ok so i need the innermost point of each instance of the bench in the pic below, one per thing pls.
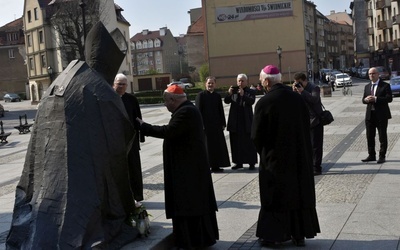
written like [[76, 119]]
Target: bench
[[3, 136], [23, 128]]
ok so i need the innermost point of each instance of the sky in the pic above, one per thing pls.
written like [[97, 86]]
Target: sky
[[155, 14]]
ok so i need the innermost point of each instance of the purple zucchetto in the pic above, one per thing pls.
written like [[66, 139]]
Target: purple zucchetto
[[271, 70]]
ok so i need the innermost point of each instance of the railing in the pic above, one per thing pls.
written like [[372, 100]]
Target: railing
[[380, 4], [370, 31], [382, 45], [386, 24]]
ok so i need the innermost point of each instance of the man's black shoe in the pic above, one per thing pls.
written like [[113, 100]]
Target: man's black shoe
[[317, 172], [381, 160], [252, 167], [237, 166], [217, 170], [369, 158]]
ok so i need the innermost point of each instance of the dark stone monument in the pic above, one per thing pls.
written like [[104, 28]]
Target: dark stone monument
[[74, 190]]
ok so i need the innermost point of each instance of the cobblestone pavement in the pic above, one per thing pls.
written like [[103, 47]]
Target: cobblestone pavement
[[344, 146]]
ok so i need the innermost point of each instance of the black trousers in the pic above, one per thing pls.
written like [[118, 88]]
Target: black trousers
[[317, 140], [371, 126]]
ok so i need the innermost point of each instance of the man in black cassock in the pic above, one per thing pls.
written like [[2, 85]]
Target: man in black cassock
[[189, 192], [241, 98], [74, 190], [281, 134], [133, 109], [209, 103]]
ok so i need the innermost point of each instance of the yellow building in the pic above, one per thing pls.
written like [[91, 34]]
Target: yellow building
[[244, 37]]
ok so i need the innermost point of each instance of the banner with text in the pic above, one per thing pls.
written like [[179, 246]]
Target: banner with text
[[254, 11]]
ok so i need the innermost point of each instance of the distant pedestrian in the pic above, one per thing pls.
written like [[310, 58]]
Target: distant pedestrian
[[189, 192], [377, 96], [209, 103], [241, 98], [281, 133], [133, 109]]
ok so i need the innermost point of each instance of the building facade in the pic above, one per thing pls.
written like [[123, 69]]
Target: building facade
[[384, 33], [13, 76], [360, 31], [46, 50], [243, 38], [156, 52]]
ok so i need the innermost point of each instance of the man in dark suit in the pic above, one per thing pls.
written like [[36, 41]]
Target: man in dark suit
[[133, 110], [377, 95]]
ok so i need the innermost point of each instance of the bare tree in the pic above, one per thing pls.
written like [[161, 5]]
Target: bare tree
[[67, 20]]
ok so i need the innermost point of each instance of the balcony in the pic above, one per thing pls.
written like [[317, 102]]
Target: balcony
[[370, 31], [380, 4], [389, 45], [385, 24], [382, 45], [371, 48], [369, 13], [397, 43]]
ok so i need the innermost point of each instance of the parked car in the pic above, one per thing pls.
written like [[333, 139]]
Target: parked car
[[395, 85], [181, 84], [187, 80], [364, 72], [383, 73], [1, 111], [333, 72], [11, 97], [343, 79]]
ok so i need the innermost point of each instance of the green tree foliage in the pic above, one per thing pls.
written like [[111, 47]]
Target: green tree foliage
[[204, 72]]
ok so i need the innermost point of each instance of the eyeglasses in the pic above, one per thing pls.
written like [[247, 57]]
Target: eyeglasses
[[373, 73]]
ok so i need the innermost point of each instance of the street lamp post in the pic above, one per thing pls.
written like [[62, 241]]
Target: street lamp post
[[279, 52], [83, 5], [50, 71], [311, 66]]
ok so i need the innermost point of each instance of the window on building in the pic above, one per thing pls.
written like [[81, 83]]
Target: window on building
[[144, 44], [150, 43], [157, 43], [31, 64], [29, 16], [11, 53], [29, 40], [158, 61], [43, 61], [133, 47], [35, 10], [159, 70], [12, 37], [41, 37], [138, 45], [150, 54]]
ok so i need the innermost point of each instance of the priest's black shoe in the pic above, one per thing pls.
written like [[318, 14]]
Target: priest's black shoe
[[381, 160], [299, 242], [369, 158], [317, 172], [217, 170], [237, 166]]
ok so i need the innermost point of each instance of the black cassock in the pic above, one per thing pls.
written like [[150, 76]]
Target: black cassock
[[189, 191], [212, 111], [281, 134], [74, 189], [239, 126], [135, 168]]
